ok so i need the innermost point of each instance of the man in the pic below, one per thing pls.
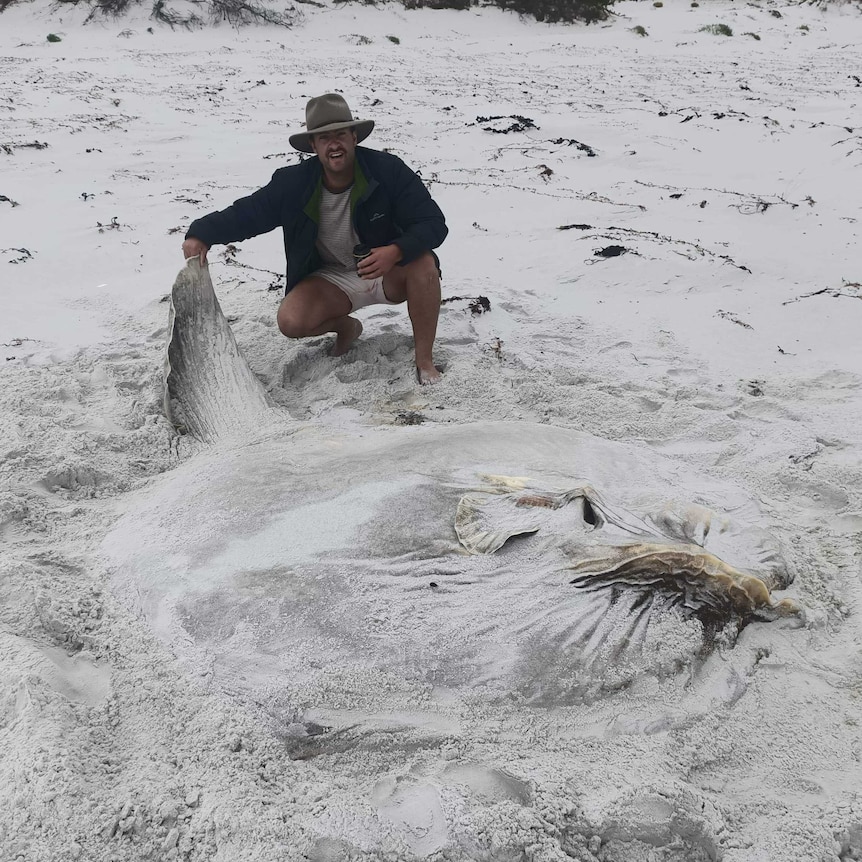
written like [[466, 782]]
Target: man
[[326, 206]]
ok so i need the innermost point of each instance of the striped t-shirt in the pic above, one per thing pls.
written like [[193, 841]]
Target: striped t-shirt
[[335, 236]]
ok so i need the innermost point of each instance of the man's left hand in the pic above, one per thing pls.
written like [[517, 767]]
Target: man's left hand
[[379, 262]]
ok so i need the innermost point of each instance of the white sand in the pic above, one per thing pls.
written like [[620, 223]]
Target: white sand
[[116, 745]]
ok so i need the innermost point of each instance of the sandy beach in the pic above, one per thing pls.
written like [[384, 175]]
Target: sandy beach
[[273, 647]]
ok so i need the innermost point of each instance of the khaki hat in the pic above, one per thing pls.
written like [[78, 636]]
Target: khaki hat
[[328, 113]]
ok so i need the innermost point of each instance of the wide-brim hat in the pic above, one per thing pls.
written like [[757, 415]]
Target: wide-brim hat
[[328, 113]]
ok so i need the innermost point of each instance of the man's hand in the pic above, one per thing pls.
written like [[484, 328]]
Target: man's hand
[[195, 248], [379, 262]]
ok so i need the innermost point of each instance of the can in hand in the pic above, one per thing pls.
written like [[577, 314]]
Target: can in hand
[[360, 252]]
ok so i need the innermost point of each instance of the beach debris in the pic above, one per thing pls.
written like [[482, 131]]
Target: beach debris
[[729, 315], [24, 255], [475, 304], [277, 280], [754, 387], [518, 124], [8, 200], [114, 224], [571, 142], [691, 250], [716, 29], [575, 227], [748, 203], [498, 180], [850, 289], [805, 460], [611, 251], [9, 149], [728, 259], [409, 417], [479, 305]]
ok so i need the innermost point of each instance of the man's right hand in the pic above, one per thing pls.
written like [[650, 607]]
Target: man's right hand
[[195, 248]]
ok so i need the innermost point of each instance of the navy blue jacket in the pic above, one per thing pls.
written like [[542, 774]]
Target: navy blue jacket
[[388, 202]]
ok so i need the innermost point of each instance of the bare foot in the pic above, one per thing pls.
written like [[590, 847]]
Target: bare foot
[[428, 375], [345, 338]]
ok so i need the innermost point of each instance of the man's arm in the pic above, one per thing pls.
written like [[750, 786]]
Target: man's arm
[[418, 216], [249, 216]]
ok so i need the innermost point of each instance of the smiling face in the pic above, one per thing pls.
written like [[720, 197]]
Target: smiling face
[[336, 151]]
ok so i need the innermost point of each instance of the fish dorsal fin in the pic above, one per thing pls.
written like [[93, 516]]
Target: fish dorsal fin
[[210, 391]]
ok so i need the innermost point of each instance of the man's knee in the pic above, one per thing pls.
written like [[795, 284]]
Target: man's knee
[[423, 267], [290, 323]]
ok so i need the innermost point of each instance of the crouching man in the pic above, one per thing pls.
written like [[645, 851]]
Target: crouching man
[[359, 228]]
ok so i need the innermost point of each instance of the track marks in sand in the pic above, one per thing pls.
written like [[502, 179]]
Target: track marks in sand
[[493, 369], [95, 429]]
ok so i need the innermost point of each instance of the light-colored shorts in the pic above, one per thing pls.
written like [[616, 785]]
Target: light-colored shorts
[[359, 291]]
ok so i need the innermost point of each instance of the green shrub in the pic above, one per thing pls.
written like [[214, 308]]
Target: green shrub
[[550, 11], [53, 37], [641, 31], [235, 12], [240, 12], [658, 4], [254, 11], [803, 27], [558, 11], [717, 29]]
